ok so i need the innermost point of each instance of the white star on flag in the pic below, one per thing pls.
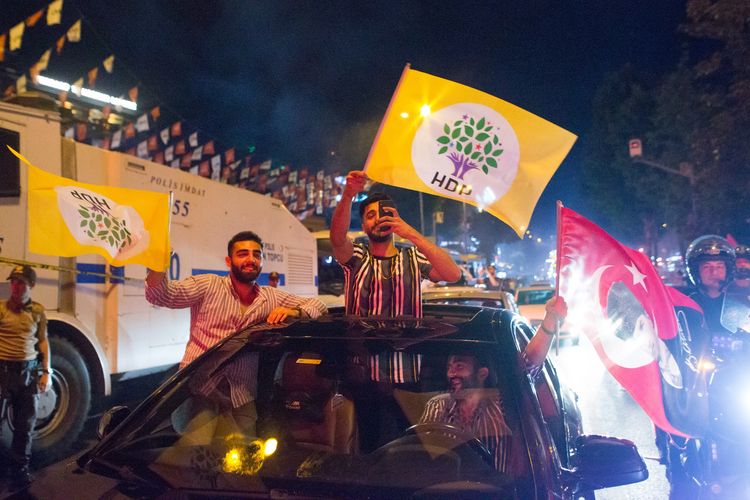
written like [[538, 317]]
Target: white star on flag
[[638, 277]]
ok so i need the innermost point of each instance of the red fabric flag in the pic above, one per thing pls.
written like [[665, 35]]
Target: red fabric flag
[[3, 36], [208, 148], [159, 157], [34, 72], [92, 76], [152, 144], [59, 44], [34, 18], [9, 90], [186, 159], [133, 94], [176, 130], [204, 169], [130, 151], [179, 148], [63, 96], [615, 296], [229, 156], [155, 113], [129, 130]]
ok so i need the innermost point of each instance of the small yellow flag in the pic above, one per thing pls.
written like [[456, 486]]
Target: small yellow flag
[[69, 218], [450, 140]]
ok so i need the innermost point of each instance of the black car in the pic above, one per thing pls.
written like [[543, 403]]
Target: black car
[[331, 408]]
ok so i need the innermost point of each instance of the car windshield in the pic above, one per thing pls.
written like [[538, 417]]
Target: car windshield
[[528, 297], [330, 413]]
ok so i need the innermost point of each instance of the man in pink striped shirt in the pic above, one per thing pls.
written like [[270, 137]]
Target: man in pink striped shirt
[[222, 305]]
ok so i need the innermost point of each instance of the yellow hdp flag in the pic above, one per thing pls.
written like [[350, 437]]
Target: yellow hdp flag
[[69, 218], [450, 140]]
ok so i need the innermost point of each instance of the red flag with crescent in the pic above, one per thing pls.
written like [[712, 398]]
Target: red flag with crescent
[[615, 296]]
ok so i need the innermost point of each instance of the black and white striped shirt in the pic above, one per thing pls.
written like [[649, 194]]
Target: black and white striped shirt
[[385, 286]]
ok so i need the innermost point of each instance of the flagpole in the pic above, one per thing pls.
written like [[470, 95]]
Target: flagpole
[[559, 252], [385, 116], [169, 232]]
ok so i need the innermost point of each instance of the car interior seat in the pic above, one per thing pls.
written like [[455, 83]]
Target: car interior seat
[[315, 414]]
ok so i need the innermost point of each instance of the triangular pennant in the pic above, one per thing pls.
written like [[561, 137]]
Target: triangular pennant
[[92, 76], [130, 151], [59, 44], [204, 169], [106, 142], [193, 139], [159, 157], [152, 143], [164, 135], [116, 139], [142, 149], [106, 110], [175, 163], [81, 131], [77, 86], [180, 148], [16, 36], [229, 156], [129, 131], [34, 18], [70, 133], [21, 85], [185, 161], [155, 113], [34, 72], [74, 33], [208, 148], [176, 129], [142, 124], [169, 153], [3, 36], [198, 153], [63, 96], [109, 64], [133, 94], [44, 60], [54, 12]]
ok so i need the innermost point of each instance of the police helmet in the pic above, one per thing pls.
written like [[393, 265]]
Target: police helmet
[[705, 248], [742, 252]]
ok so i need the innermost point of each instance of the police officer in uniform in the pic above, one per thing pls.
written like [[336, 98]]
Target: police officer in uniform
[[24, 366]]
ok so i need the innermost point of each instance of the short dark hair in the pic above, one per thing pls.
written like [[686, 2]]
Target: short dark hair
[[372, 198], [243, 236]]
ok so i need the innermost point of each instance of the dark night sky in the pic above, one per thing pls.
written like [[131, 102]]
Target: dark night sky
[[300, 79]]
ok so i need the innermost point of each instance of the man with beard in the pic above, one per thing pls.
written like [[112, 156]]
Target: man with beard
[[222, 305], [380, 279], [473, 404]]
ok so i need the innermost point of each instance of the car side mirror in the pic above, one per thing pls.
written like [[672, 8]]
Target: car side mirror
[[111, 419], [603, 462]]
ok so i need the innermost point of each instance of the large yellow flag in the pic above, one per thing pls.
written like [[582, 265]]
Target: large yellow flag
[[68, 218], [450, 140]]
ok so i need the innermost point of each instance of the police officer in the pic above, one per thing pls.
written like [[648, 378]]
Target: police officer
[[710, 263], [24, 366], [741, 283]]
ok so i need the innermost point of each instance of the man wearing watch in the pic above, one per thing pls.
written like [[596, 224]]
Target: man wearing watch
[[24, 366]]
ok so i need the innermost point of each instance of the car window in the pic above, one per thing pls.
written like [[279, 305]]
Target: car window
[[527, 297], [338, 413]]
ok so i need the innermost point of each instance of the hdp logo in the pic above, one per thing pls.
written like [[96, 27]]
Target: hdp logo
[[467, 150]]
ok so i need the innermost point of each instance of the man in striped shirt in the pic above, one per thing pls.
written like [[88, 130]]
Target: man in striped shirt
[[222, 305], [477, 409], [381, 279]]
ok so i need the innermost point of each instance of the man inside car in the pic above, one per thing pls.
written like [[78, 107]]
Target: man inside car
[[473, 405]]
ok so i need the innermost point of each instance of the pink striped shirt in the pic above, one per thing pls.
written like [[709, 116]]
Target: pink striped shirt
[[216, 311]]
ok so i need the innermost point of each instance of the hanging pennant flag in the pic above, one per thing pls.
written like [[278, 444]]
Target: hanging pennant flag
[[130, 151], [185, 162], [106, 142], [44, 60], [141, 125], [21, 85], [125, 226], [34, 18], [59, 44], [92, 77], [176, 129], [116, 139], [142, 150], [129, 131], [159, 157], [193, 170], [16, 36], [164, 136], [216, 162], [9, 90], [179, 148], [63, 96], [204, 169], [197, 153], [54, 12], [155, 113], [193, 140], [229, 156], [133, 94], [453, 141], [208, 148], [70, 133], [81, 131], [109, 64], [169, 153], [34, 72], [74, 33], [152, 144], [175, 163], [616, 297], [77, 86], [3, 36], [106, 111]]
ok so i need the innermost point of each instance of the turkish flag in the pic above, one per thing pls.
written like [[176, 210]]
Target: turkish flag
[[616, 297]]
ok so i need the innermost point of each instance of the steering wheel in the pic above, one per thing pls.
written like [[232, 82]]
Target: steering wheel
[[456, 434]]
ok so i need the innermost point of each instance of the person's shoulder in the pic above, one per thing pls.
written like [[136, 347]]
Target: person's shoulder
[[439, 399], [36, 307]]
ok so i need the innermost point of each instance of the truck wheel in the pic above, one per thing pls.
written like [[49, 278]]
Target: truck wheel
[[62, 411]]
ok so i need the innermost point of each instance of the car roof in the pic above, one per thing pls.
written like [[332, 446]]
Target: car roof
[[461, 291]]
